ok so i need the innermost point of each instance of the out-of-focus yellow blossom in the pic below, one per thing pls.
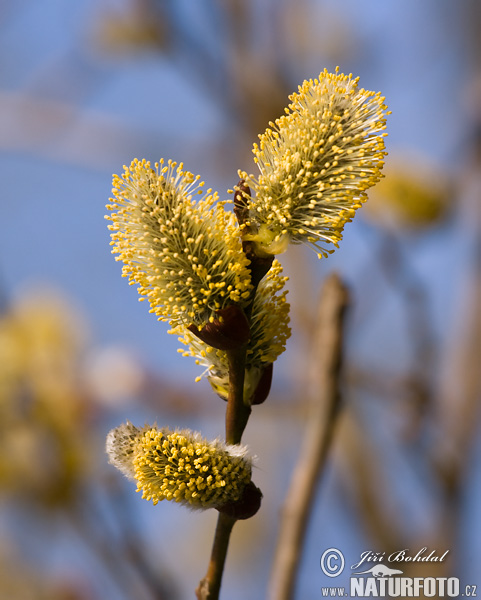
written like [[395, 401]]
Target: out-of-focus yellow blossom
[[269, 333], [413, 195], [42, 408], [180, 465], [185, 256], [316, 163]]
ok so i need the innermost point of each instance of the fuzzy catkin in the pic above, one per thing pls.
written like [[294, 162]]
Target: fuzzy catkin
[[316, 163], [185, 256], [180, 465]]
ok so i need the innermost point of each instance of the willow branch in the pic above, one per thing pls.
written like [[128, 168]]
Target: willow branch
[[324, 403], [236, 417], [237, 412], [209, 587]]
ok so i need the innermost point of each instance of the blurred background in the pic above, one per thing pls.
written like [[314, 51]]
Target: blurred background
[[87, 86]]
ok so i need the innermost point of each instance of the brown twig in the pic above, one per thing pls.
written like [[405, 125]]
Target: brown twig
[[209, 587], [237, 412], [324, 404], [236, 417], [370, 494]]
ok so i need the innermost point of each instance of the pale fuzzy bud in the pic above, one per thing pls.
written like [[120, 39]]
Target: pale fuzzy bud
[[120, 448]]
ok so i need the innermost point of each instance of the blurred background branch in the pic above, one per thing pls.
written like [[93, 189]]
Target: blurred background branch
[[324, 393]]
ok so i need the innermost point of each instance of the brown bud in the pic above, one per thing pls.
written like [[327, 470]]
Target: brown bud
[[247, 505], [231, 330], [263, 387]]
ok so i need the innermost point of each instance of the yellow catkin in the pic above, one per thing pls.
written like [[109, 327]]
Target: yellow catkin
[[316, 163], [269, 334], [180, 465], [414, 195], [185, 256]]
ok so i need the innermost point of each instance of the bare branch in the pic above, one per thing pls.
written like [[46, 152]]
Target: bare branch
[[324, 406]]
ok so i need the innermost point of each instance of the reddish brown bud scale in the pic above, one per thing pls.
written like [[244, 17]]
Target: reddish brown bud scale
[[247, 505], [263, 387], [230, 331]]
